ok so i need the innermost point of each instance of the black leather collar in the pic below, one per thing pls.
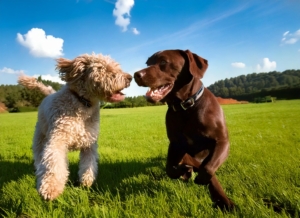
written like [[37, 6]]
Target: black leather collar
[[188, 103], [84, 101]]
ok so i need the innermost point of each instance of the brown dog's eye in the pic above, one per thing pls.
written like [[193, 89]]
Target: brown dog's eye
[[163, 62]]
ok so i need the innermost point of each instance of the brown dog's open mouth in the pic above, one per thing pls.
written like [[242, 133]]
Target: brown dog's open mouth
[[157, 93]]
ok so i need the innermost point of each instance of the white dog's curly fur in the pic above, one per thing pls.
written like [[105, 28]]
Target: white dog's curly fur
[[69, 119]]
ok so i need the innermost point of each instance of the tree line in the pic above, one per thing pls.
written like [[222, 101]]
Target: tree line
[[255, 82], [282, 85]]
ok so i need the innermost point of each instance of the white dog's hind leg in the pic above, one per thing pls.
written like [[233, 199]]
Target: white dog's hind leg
[[52, 173], [88, 165]]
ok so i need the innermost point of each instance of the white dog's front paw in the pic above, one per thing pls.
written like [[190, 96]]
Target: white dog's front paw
[[50, 191], [87, 179]]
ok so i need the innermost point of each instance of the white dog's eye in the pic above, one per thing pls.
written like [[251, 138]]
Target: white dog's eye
[[163, 62]]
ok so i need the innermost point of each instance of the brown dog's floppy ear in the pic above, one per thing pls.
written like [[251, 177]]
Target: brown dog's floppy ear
[[69, 70], [197, 64]]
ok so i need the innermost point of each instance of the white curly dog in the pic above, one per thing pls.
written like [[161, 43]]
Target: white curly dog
[[69, 119]]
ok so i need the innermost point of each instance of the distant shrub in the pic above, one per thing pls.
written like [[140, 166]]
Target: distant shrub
[[13, 110], [27, 109], [265, 99]]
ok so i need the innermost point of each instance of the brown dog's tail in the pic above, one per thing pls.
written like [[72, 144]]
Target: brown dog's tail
[[32, 83]]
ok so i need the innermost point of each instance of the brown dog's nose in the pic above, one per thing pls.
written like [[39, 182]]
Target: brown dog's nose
[[139, 75]]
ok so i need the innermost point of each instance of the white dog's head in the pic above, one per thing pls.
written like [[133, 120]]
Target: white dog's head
[[94, 76]]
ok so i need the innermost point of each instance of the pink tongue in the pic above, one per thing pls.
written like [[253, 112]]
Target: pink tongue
[[148, 93], [117, 97]]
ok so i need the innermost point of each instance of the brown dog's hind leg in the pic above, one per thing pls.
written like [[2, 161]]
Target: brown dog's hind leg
[[216, 191], [218, 195]]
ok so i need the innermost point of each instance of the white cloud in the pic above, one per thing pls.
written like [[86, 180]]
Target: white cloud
[[122, 13], [290, 38], [287, 32], [135, 31], [50, 77], [40, 44], [238, 64], [290, 41], [266, 65], [10, 71]]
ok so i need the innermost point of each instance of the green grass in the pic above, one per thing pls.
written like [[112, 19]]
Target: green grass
[[261, 174]]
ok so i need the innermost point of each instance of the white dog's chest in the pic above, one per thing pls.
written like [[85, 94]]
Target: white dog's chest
[[84, 135], [75, 132]]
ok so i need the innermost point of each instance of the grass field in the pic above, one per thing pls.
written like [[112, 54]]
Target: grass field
[[261, 175]]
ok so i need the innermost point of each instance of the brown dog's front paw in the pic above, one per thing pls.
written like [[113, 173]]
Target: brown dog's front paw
[[186, 172], [203, 177], [175, 172]]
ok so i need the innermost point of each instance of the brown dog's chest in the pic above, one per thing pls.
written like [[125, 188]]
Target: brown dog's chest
[[197, 143], [189, 131]]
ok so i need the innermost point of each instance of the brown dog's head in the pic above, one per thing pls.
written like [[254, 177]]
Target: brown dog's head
[[94, 76], [169, 71]]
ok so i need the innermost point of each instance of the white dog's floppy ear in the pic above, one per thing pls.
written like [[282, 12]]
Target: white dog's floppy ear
[[197, 64], [70, 70]]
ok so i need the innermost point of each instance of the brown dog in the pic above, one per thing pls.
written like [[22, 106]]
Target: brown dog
[[195, 121]]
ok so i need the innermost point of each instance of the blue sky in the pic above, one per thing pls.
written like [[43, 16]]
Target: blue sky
[[237, 37]]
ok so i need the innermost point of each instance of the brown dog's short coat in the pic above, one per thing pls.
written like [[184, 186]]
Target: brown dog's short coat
[[195, 121]]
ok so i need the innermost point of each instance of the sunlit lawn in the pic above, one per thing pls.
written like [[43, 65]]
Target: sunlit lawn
[[261, 175]]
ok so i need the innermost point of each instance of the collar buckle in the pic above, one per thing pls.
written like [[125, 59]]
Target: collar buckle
[[187, 104], [190, 102]]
